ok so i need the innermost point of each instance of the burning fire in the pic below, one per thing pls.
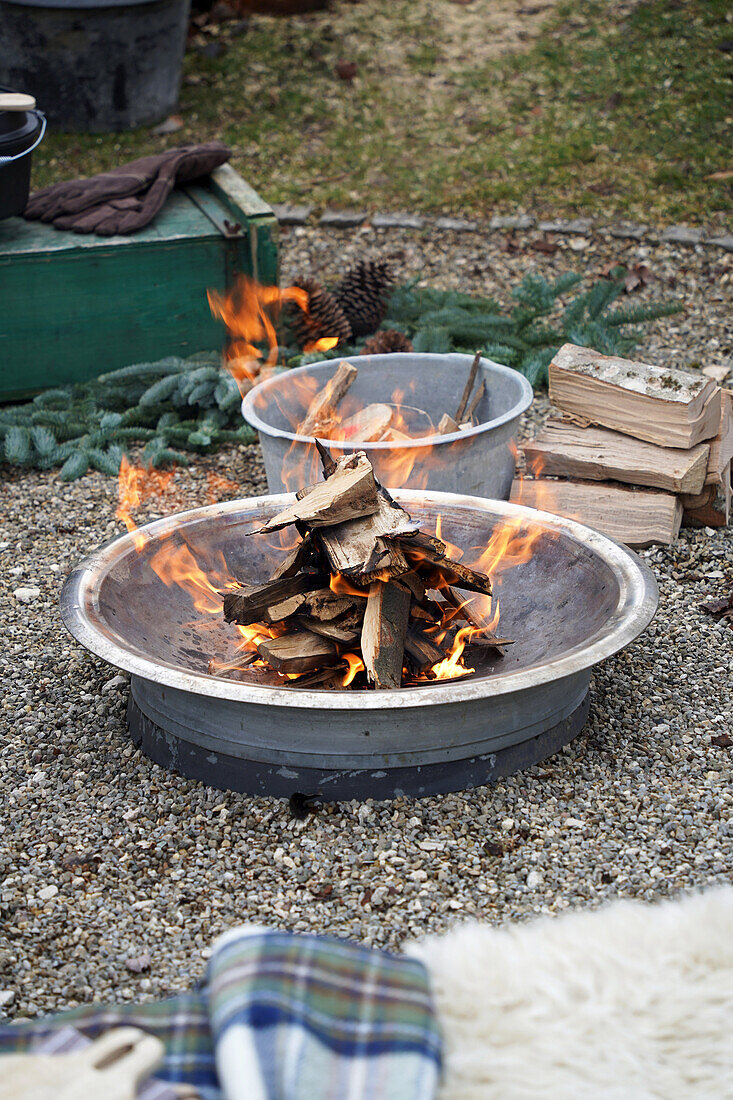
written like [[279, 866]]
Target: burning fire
[[250, 311]]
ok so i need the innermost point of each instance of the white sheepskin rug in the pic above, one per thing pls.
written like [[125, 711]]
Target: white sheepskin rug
[[628, 1002]]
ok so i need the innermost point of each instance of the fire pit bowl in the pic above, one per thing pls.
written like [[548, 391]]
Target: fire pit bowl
[[477, 461], [580, 598]]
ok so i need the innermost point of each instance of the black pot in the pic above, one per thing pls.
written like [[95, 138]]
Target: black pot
[[96, 64], [20, 133]]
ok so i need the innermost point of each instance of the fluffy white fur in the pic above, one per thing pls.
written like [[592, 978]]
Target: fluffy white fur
[[628, 1002]]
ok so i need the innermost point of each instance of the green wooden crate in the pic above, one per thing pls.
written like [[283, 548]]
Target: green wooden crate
[[74, 306]]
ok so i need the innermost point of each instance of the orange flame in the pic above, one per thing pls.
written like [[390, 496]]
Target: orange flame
[[135, 485]]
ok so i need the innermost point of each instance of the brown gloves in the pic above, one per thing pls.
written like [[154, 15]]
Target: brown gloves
[[127, 198]]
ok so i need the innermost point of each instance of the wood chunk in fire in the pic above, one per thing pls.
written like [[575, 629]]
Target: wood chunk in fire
[[484, 635], [366, 425], [297, 652], [323, 406], [296, 559], [349, 547], [383, 633], [251, 603], [443, 570], [447, 425], [350, 493], [345, 630], [422, 651], [324, 604]]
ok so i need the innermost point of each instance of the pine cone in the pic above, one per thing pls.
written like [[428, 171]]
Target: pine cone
[[323, 317], [362, 294], [387, 342]]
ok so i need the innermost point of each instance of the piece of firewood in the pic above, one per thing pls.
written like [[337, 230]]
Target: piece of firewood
[[441, 570], [349, 546], [344, 630], [250, 603], [721, 446], [387, 560], [393, 435], [598, 454], [636, 517], [326, 401], [422, 651], [323, 678], [712, 507], [297, 652], [463, 404], [324, 604], [295, 559], [364, 426], [285, 609], [475, 403], [484, 635], [383, 633], [447, 425], [659, 404], [349, 493]]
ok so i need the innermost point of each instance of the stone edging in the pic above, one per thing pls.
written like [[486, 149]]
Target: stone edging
[[288, 214]]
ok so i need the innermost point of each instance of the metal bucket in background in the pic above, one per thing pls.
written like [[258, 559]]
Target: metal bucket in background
[[478, 461]]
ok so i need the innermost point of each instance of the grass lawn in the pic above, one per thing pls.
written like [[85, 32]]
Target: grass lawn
[[594, 107]]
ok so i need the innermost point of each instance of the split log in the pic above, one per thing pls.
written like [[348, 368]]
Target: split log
[[422, 651], [296, 559], [597, 454], [323, 406], [297, 652], [393, 435], [712, 507], [484, 635], [439, 570], [474, 404], [349, 493], [447, 425], [383, 633], [251, 603], [345, 630], [364, 426], [349, 547], [636, 517], [324, 604], [463, 404], [721, 447], [661, 405]]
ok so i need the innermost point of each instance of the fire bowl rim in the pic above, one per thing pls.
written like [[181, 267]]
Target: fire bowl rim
[[637, 604], [250, 414]]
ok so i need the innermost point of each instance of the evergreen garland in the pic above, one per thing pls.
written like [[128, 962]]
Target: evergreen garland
[[172, 406], [178, 405]]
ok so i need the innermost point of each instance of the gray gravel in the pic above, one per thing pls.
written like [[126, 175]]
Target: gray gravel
[[106, 858]]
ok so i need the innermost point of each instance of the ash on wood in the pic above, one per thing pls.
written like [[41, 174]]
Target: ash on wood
[[352, 599]]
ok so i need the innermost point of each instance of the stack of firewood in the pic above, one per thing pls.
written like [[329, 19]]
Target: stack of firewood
[[637, 449], [363, 589]]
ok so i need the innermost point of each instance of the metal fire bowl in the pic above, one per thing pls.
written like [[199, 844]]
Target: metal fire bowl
[[581, 598]]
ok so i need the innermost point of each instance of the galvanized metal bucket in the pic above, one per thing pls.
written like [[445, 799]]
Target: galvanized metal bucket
[[478, 461]]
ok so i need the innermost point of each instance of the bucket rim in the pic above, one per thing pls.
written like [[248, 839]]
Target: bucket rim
[[523, 402]]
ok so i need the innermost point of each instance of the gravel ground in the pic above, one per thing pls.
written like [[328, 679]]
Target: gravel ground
[[106, 859]]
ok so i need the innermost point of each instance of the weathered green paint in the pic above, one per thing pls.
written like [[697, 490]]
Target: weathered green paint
[[73, 306]]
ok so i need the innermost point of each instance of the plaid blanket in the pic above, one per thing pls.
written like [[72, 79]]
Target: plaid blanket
[[283, 1017], [319, 1019]]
